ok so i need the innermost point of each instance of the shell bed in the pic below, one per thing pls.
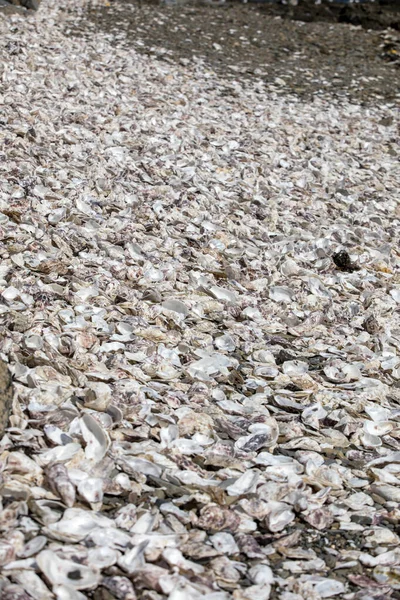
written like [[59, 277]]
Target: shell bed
[[199, 285]]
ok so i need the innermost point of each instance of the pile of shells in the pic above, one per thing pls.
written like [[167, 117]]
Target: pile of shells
[[199, 286]]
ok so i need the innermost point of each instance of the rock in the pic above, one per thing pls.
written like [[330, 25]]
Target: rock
[[30, 4], [343, 261], [8, 9]]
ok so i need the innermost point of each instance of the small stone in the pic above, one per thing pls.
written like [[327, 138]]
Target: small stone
[[343, 261]]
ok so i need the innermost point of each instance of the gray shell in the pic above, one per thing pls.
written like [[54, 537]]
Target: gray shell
[[6, 396]]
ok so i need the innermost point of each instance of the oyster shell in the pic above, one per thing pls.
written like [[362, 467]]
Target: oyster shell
[[65, 572]]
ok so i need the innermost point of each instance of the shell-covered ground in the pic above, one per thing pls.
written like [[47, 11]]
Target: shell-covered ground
[[265, 42], [200, 291]]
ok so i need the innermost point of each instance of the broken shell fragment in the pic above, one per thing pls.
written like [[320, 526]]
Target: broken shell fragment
[[95, 437]]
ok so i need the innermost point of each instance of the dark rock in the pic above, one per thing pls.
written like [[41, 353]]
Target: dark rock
[[343, 261], [30, 4]]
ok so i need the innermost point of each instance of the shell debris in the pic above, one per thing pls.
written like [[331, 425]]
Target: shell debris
[[202, 330]]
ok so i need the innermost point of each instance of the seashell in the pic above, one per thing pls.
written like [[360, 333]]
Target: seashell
[[102, 558], [279, 516], [294, 367], [261, 592], [215, 518], [327, 588], [224, 543], [176, 306], [64, 592], [395, 293], [386, 559], [76, 524], [266, 437], [174, 557], [391, 457], [97, 441], [209, 366], [225, 570], [59, 454], [56, 215], [327, 477], [225, 343], [187, 447], [342, 373], [371, 325], [370, 441], [47, 511], [98, 395], [120, 587], [133, 465], [377, 428], [7, 553], [133, 559], [288, 403], [267, 371], [91, 489], [66, 572], [56, 435], [249, 546], [19, 463], [60, 483], [309, 325], [220, 293], [261, 574], [87, 292], [14, 592], [336, 438], [387, 576], [317, 288], [319, 518], [144, 524], [32, 584], [250, 312], [377, 413], [389, 362], [379, 536], [152, 295], [245, 484], [32, 547], [281, 294], [33, 342], [290, 267], [389, 492], [313, 414], [189, 478], [263, 356], [110, 537]]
